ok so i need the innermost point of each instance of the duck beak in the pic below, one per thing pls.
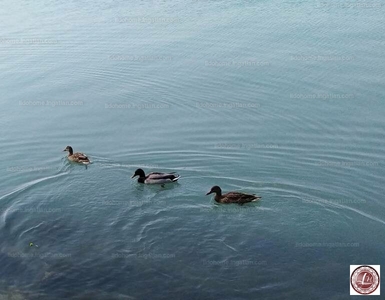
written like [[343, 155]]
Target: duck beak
[[133, 176], [208, 193], [64, 150]]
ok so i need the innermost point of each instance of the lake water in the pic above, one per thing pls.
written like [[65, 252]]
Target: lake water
[[281, 99]]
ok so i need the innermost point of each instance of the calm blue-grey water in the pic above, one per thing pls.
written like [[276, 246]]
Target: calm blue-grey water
[[281, 99]]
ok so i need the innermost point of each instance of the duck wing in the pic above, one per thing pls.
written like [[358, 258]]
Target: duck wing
[[158, 175], [161, 178], [240, 198], [80, 156]]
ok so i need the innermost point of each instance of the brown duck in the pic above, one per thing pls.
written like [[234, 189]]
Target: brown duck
[[232, 197], [78, 157]]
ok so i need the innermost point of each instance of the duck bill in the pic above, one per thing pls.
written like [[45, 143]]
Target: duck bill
[[64, 150], [208, 193], [133, 176]]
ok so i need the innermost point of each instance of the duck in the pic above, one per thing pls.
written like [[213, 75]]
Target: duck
[[155, 177], [232, 197], [77, 157]]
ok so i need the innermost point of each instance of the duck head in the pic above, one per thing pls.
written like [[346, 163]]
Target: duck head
[[215, 189], [139, 172], [69, 149]]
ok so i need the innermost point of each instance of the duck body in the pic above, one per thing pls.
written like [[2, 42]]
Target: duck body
[[77, 157], [155, 177], [232, 197]]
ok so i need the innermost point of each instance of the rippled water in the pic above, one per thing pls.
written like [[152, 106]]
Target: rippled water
[[281, 99]]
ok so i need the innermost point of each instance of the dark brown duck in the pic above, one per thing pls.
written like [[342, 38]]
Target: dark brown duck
[[232, 197]]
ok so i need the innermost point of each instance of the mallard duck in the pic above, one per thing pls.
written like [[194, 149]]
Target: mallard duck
[[155, 177], [76, 157], [232, 197]]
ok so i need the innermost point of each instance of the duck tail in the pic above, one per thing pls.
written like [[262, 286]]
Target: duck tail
[[177, 176]]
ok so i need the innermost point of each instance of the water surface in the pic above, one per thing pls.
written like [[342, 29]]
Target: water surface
[[281, 99]]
